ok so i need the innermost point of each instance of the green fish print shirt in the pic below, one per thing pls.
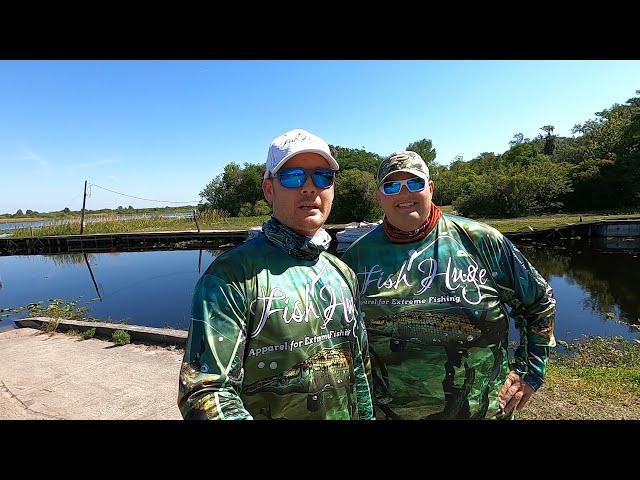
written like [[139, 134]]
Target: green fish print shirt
[[437, 315], [276, 337]]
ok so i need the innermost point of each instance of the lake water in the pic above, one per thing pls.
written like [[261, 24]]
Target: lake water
[[597, 293], [14, 225]]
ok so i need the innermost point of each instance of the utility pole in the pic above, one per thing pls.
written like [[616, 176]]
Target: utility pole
[[84, 201], [195, 217]]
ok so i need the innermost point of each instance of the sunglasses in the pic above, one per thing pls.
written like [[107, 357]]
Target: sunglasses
[[297, 177], [393, 187]]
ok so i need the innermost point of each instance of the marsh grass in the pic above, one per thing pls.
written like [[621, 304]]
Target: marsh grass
[[217, 220], [542, 222], [209, 220]]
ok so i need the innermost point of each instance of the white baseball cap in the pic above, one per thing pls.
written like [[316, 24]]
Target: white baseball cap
[[293, 142]]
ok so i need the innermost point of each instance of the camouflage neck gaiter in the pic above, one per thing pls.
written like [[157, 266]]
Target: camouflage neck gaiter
[[308, 248]]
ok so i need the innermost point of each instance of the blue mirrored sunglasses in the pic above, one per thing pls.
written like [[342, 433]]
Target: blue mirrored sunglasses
[[393, 187], [296, 177]]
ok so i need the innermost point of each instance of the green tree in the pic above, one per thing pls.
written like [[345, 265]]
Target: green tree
[[352, 158], [19, 213], [355, 198], [246, 210], [425, 149], [551, 141], [518, 138], [520, 154], [516, 190], [261, 207], [234, 188], [606, 173]]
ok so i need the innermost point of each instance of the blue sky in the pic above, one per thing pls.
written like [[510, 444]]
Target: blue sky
[[163, 129]]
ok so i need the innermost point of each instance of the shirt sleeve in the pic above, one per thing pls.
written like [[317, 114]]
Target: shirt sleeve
[[362, 366], [362, 361], [212, 368], [533, 310]]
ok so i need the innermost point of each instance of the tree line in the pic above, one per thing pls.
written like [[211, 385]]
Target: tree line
[[597, 168]]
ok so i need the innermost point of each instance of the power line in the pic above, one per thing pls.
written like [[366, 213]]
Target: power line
[[140, 198]]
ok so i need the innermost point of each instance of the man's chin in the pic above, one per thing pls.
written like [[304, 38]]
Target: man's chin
[[311, 223], [406, 222]]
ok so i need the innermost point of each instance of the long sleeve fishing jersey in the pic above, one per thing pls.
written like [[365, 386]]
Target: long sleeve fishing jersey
[[275, 337], [437, 313]]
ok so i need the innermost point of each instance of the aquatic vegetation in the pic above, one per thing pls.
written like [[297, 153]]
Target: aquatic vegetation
[[59, 308], [51, 326]]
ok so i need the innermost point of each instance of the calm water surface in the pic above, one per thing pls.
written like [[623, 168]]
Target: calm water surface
[[597, 293]]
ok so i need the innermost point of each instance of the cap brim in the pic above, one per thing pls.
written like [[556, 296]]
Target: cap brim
[[332, 161], [417, 173]]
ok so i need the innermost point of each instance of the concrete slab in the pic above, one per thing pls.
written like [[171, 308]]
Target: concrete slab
[[162, 336], [57, 376]]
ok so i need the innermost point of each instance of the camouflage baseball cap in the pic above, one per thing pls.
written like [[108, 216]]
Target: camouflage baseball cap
[[403, 161]]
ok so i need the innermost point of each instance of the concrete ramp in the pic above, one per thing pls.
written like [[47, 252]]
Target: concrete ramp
[[57, 376]]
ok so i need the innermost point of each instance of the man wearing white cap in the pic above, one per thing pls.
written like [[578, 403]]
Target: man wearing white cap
[[438, 293], [276, 331]]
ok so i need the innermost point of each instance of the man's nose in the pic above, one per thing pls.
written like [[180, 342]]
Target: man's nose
[[309, 186], [404, 189]]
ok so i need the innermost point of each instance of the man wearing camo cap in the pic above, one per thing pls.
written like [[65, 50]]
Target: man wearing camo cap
[[435, 290]]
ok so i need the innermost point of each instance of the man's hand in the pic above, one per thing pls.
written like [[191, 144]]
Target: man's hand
[[515, 393]]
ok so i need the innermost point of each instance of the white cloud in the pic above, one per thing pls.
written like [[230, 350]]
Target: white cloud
[[112, 177]]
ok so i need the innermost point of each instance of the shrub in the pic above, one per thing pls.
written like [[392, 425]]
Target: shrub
[[87, 334], [120, 337]]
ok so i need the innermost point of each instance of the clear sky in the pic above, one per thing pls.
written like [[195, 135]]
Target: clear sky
[[163, 129]]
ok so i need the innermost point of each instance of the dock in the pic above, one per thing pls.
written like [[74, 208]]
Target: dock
[[129, 242], [621, 234]]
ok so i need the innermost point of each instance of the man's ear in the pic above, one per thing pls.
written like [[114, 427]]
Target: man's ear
[[267, 189]]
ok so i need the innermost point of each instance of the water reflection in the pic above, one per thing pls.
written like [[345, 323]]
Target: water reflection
[[144, 288], [73, 258], [596, 292], [609, 280]]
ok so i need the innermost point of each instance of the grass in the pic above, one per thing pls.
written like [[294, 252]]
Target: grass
[[541, 222], [213, 220], [109, 224], [599, 379]]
